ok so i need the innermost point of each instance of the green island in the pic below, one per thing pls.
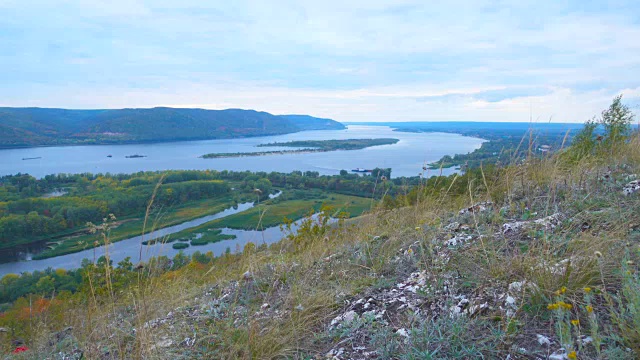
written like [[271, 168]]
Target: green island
[[309, 146]]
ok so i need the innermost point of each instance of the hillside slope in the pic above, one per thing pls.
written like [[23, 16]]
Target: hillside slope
[[39, 126]]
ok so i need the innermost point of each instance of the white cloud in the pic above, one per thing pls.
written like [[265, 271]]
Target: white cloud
[[352, 60]]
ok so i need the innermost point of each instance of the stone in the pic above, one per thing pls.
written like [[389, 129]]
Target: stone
[[631, 187], [543, 340]]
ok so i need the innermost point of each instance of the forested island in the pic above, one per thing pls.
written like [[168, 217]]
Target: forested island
[[309, 146]]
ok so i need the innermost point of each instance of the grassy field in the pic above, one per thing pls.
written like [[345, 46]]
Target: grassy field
[[267, 215], [130, 227]]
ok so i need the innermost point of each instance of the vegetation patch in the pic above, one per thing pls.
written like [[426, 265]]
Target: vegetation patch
[[309, 146]]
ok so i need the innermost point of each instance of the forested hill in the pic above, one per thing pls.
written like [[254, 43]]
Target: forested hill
[[41, 126], [306, 122]]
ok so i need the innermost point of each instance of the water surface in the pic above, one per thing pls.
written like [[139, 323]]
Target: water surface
[[406, 157]]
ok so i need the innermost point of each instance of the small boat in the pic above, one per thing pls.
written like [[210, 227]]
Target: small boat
[[361, 170], [135, 156], [109, 155], [32, 158]]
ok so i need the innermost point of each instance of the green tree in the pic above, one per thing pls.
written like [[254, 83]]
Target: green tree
[[616, 121]]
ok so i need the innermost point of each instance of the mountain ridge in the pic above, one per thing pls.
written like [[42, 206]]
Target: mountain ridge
[[26, 127]]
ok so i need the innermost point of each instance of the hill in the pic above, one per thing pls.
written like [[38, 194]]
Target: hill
[[21, 127], [306, 122]]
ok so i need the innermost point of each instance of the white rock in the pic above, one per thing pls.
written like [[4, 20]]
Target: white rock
[[584, 340], [631, 187], [560, 354], [543, 340], [404, 333]]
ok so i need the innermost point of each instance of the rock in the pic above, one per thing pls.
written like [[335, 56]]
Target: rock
[[164, 343], [404, 333], [479, 207], [550, 222], [3, 330], [335, 353], [543, 340], [350, 316], [631, 187], [188, 342], [247, 276], [560, 354], [585, 340], [454, 226], [513, 227], [458, 240]]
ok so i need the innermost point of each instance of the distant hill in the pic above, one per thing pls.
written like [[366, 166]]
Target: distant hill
[[306, 122], [21, 127]]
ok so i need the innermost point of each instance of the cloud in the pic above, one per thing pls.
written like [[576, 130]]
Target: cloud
[[351, 60]]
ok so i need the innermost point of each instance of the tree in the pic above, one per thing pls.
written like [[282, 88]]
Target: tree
[[616, 121]]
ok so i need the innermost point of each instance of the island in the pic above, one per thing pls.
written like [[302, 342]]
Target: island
[[309, 146]]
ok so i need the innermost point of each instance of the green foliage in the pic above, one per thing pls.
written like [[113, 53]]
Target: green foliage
[[616, 121], [37, 126], [309, 146]]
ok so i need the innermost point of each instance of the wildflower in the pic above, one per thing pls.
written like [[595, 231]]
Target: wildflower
[[575, 322], [589, 309], [418, 228], [567, 306], [561, 291], [410, 252], [587, 290], [553, 306], [572, 355]]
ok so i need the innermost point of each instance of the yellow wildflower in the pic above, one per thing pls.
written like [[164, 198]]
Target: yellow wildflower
[[575, 322], [567, 306], [572, 355], [589, 308], [552, 306], [587, 289]]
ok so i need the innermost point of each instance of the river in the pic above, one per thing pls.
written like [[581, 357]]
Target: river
[[406, 157], [134, 249]]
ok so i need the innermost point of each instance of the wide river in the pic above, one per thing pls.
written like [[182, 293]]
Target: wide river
[[406, 157]]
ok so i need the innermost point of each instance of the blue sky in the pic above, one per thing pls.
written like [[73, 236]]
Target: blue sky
[[404, 60]]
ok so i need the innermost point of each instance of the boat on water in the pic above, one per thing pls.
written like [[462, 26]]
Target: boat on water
[[361, 170], [109, 155], [135, 156], [32, 158]]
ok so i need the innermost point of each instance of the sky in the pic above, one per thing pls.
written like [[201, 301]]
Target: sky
[[357, 60]]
